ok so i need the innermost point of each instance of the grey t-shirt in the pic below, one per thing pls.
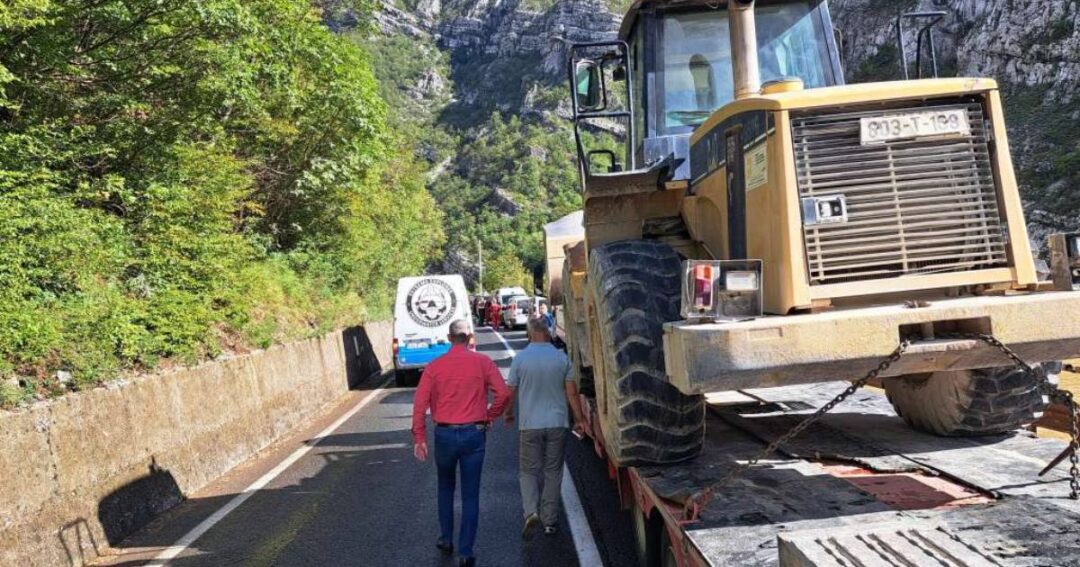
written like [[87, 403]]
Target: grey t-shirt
[[539, 374]]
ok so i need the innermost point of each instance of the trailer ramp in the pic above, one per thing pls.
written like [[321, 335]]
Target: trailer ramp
[[921, 500]]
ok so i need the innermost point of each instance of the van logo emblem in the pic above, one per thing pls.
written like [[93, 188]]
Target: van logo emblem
[[431, 302]]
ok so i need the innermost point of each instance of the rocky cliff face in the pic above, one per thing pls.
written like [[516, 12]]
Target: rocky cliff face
[[509, 56], [500, 50], [1032, 47]]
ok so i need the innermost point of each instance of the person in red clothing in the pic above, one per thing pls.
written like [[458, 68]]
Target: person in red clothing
[[494, 312], [455, 387]]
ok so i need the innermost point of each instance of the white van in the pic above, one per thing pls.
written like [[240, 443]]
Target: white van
[[423, 311], [503, 294]]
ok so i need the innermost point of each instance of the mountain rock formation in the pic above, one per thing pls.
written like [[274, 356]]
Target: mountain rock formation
[[508, 57]]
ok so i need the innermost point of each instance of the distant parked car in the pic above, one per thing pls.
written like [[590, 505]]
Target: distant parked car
[[517, 312]]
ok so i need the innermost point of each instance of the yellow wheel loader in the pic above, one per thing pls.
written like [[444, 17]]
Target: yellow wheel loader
[[765, 224]]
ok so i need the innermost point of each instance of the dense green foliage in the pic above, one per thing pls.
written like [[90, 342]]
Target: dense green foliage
[[498, 177], [179, 176], [1052, 177], [512, 178]]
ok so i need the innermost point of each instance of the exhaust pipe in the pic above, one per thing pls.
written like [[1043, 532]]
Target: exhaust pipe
[[744, 48]]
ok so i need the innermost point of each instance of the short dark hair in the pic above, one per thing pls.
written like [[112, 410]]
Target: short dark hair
[[539, 325]]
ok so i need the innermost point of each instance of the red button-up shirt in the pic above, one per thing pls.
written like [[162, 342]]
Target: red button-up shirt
[[455, 387]]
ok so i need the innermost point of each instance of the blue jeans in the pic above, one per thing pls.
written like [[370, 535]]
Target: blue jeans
[[462, 447]]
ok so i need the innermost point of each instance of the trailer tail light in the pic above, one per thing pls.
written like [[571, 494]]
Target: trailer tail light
[[704, 282], [721, 290], [396, 348]]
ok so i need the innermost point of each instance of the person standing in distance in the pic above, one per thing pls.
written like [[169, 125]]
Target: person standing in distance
[[548, 318], [455, 386], [547, 394]]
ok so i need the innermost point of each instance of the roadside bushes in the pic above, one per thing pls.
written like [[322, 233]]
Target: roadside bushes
[[183, 176]]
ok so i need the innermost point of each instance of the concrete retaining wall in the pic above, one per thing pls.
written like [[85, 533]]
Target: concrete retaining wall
[[82, 472]]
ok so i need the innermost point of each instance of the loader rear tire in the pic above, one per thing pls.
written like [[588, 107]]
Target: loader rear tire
[[967, 403], [634, 288]]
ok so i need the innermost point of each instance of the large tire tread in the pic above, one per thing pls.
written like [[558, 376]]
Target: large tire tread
[[969, 403], [634, 287]]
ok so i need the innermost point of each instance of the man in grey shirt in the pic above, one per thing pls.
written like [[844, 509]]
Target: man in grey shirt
[[544, 386]]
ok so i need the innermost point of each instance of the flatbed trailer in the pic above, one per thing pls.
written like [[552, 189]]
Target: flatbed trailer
[[860, 487]]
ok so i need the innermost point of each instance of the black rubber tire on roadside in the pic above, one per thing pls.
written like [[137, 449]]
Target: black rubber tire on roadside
[[968, 403], [634, 288]]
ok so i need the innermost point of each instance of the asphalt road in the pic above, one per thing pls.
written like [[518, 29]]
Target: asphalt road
[[358, 497]]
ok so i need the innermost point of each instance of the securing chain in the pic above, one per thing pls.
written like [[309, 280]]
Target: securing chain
[[697, 502], [1054, 394]]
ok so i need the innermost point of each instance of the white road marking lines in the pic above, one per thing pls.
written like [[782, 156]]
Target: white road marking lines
[[181, 545], [506, 346], [588, 554], [584, 542]]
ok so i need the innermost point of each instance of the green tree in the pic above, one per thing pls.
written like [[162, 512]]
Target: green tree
[[506, 270], [181, 176]]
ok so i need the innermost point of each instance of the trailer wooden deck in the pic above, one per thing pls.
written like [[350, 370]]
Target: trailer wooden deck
[[861, 471]]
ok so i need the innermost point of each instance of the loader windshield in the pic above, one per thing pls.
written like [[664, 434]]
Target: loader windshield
[[696, 59]]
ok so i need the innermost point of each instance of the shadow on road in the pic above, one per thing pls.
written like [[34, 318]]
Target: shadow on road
[[362, 362], [359, 498], [328, 518], [132, 506]]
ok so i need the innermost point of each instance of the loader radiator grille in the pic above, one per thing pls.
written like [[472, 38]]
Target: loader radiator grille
[[918, 206]]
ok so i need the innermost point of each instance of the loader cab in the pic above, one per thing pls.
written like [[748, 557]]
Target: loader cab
[[679, 68]]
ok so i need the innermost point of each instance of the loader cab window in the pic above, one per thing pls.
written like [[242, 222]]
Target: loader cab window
[[696, 67], [695, 70], [790, 45]]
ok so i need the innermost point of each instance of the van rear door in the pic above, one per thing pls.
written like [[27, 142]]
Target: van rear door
[[423, 311]]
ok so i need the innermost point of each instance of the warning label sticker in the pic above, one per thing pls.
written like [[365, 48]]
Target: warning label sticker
[[756, 166]]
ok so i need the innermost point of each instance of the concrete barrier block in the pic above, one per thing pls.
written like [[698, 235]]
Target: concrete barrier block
[[92, 438], [27, 475], [80, 473], [153, 409], [879, 545]]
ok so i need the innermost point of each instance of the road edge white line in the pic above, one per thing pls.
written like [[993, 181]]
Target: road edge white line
[[506, 346], [584, 543], [185, 542], [580, 530]]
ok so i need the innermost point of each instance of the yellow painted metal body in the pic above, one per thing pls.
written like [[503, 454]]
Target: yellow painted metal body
[[774, 231], [797, 343]]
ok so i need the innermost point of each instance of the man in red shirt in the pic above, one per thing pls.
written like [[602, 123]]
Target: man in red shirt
[[455, 386]]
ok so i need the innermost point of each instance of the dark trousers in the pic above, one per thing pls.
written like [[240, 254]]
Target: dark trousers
[[541, 453], [464, 448]]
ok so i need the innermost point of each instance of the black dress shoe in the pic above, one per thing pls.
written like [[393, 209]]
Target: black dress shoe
[[445, 547], [466, 562]]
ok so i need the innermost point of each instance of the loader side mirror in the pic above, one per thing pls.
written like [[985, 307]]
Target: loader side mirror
[[588, 86]]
